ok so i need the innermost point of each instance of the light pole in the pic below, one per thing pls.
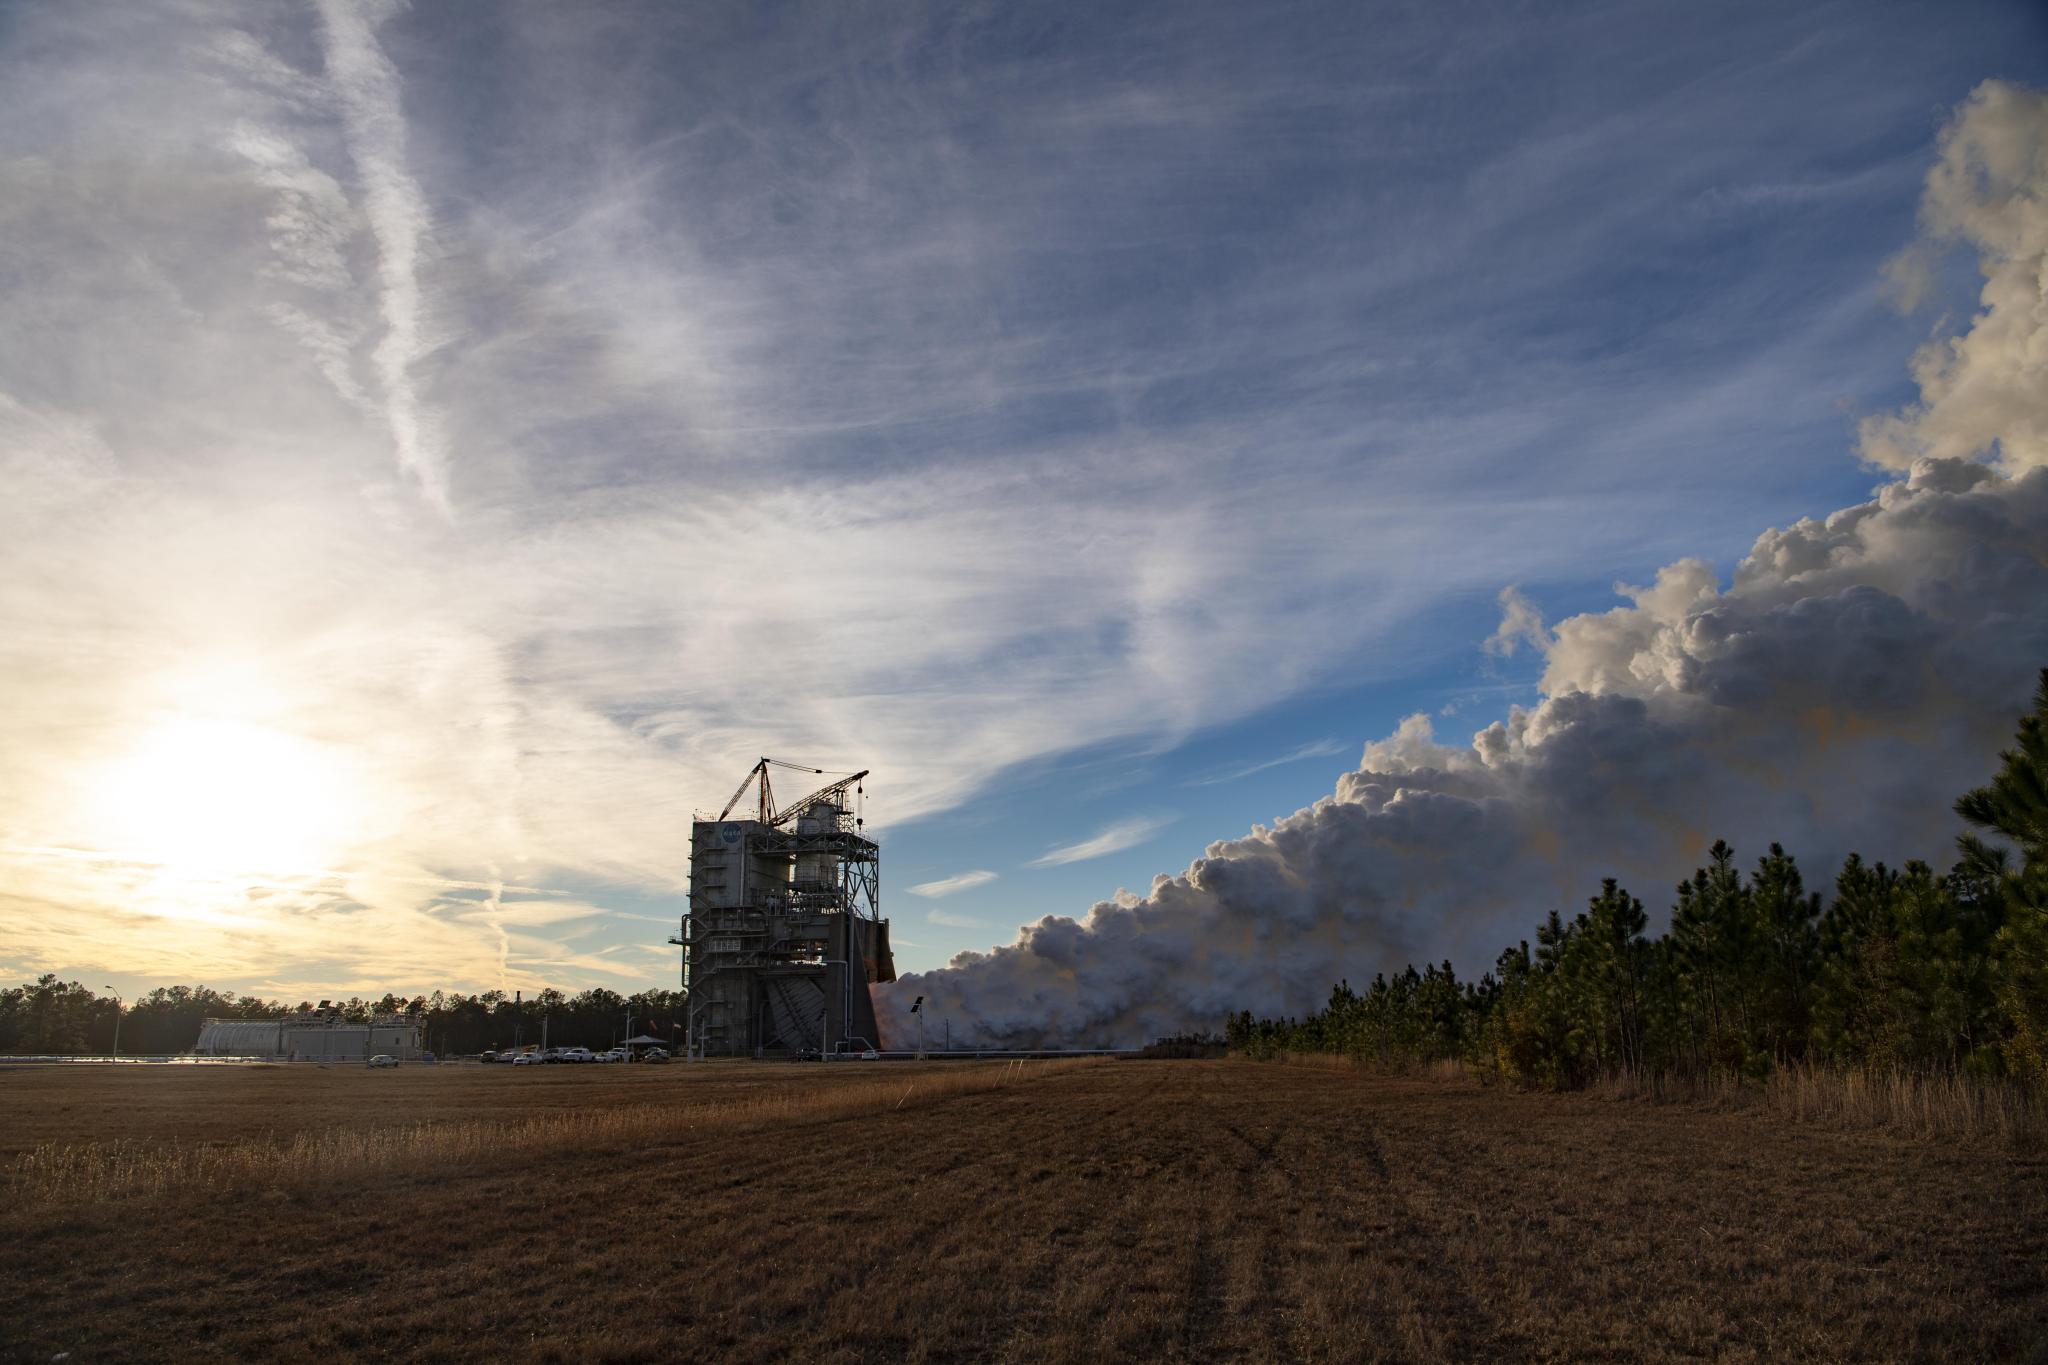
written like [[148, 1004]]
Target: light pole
[[117, 1022], [917, 1008]]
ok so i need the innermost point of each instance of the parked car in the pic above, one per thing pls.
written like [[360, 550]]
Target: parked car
[[383, 1059], [654, 1054], [528, 1059], [488, 1057], [617, 1054], [577, 1054]]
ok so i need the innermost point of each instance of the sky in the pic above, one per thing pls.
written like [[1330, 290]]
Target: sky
[[444, 446]]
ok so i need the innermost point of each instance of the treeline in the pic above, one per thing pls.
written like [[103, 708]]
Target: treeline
[[1900, 967], [52, 1016]]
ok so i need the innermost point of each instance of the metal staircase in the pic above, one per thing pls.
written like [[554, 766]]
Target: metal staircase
[[796, 1012]]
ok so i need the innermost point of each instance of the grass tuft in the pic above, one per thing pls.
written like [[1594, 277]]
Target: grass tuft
[[1922, 1104], [1936, 1106]]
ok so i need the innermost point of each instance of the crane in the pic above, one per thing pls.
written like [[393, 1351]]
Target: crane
[[819, 797], [768, 815]]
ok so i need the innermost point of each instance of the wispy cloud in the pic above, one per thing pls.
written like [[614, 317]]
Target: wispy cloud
[[1521, 623], [1118, 837], [952, 921], [1322, 748], [373, 115], [947, 886]]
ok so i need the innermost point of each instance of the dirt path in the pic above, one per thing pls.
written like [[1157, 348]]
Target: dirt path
[[1173, 1210]]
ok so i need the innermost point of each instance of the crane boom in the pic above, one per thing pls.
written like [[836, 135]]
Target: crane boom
[[758, 770], [766, 804], [822, 794]]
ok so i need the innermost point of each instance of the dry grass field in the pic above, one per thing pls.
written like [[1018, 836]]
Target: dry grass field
[[1113, 1211]]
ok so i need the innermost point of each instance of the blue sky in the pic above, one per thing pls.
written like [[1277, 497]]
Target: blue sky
[[494, 426], [1667, 294]]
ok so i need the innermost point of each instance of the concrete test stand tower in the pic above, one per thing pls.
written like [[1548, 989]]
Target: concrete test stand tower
[[784, 932]]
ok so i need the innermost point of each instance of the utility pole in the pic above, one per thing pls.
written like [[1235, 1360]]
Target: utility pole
[[117, 1023]]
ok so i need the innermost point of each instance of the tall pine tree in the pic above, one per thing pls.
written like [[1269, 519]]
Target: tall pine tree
[[2014, 805]]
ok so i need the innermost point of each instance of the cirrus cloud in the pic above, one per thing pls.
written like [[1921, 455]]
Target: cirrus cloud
[[953, 885], [1115, 839]]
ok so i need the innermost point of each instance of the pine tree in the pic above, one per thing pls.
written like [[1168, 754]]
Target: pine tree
[[2014, 805], [1612, 969], [1713, 944], [1786, 922], [1853, 1007]]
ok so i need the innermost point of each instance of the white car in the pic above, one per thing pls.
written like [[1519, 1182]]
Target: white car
[[383, 1059], [578, 1054], [527, 1059]]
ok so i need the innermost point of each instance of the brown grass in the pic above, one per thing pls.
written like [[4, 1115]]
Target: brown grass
[[1136, 1210], [230, 1103], [1928, 1106], [128, 1168], [1931, 1106], [1443, 1069], [1925, 1105]]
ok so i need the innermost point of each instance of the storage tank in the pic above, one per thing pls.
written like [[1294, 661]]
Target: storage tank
[[818, 871]]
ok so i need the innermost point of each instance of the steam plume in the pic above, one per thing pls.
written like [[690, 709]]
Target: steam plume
[[1854, 676]]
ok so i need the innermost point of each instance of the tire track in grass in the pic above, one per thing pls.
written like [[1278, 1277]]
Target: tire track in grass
[[1431, 1298], [1075, 1202], [1268, 1305], [1367, 1272]]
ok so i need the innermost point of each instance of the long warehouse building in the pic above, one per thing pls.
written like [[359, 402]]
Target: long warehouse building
[[320, 1036]]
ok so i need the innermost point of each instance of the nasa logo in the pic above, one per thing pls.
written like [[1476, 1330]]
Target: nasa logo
[[730, 831]]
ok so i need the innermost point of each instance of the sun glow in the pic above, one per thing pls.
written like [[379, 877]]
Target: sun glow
[[207, 796]]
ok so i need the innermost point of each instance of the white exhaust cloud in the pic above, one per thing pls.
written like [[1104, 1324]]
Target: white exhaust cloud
[[1980, 392], [1856, 674]]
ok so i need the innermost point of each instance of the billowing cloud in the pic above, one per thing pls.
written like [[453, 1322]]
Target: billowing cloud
[[1856, 674], [1115, 839], [1980, 392], [947, 886]]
